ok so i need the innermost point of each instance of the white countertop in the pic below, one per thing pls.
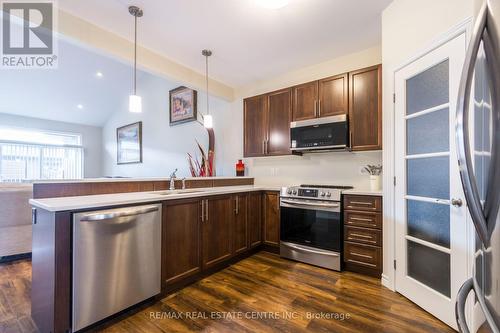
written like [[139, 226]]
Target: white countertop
[[359, 191], [107, 200], [145, 179]]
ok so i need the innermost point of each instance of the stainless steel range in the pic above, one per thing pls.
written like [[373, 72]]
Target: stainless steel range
[[311, 224]]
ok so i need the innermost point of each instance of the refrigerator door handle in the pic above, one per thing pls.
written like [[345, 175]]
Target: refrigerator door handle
[[464, 291], [462, 129]]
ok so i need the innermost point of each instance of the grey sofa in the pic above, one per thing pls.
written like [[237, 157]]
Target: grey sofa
[[15, 219]]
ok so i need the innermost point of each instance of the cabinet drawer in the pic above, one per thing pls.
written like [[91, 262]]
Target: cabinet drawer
[[363, 236], [364, 255], [363, 219], [363, 202]]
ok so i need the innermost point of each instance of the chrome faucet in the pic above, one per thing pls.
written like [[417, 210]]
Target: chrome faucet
[[172, 180]]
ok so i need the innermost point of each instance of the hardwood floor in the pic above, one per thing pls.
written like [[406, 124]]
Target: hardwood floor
[[263, 293]]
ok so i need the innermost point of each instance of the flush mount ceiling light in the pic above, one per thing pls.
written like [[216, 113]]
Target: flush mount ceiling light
[[272, 4], [135, 101], [80, 106], [99, 74], [208, 121]]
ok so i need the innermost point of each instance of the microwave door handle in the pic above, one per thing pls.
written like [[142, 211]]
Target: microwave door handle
[[492, 200], [462, 130]]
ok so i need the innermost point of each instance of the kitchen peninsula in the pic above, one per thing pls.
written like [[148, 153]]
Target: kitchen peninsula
[[204, 228]]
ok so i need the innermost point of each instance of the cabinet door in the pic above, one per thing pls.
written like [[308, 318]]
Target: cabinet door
[[272, 218], [217, 230], [305, 97], [365, 108], [181, 240], [254, 219], [333, 96], [279, 115], [240, 234], [255, 125]]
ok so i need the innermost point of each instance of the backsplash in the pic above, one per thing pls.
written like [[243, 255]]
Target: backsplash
[[338, 168]]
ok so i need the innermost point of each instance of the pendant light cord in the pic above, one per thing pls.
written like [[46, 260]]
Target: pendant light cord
[[135, 55], [206, 77]]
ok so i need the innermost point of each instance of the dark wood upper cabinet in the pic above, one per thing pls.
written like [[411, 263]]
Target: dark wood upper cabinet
[[279, 115], [305, 101], [217, 228], [272, 218], [181, 252], [333, 96], [240, 234], [255, 125], [365, 108], [254, 219], [267, 124], [357, 94]]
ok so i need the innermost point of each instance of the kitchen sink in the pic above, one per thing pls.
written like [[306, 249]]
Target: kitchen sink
[[170, 192]]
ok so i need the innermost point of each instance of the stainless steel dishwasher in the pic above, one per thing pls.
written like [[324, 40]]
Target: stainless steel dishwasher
[[116, 261]]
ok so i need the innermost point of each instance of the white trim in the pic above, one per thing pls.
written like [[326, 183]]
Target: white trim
[[426, 111], [428, 244], [388, 275]]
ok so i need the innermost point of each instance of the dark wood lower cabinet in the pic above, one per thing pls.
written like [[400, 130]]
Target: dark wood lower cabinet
[[254, 219], [181, 245], [363, 234], [272, 219], [217, 228], [240, 225]]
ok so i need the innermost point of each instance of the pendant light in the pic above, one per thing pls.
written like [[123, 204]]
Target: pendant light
[[135, 101], [208, 121]]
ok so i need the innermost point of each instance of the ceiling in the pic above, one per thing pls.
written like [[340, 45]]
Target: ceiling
[[250, 43], [55, 94]]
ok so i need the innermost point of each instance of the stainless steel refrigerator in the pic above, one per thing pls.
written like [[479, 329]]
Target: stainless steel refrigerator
[[478, 143]]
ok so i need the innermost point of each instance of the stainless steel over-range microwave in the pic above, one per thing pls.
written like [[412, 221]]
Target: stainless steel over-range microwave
[[328, 133]]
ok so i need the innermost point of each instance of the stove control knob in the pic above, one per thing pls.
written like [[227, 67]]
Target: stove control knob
[[322, 194], [289, 191], [328, 194], [294, 192]]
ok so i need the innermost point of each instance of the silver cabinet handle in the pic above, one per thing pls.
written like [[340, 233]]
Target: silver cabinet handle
[[360, 203], [319, 108], [236, 205], [264, 147], [202, 210], [206, 207], [122, 213], [457, 202], [361, 255], [462, 129], [362, 236]]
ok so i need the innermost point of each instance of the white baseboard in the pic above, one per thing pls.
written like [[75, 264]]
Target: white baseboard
[[386, 282]]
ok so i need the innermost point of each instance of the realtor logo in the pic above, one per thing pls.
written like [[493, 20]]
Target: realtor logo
[[28, 35]]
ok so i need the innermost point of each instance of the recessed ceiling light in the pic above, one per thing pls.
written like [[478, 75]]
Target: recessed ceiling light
[[99, 74], [80, 106], [272, 4]]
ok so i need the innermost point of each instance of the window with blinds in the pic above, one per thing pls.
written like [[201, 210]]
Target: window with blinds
[[27, 155]]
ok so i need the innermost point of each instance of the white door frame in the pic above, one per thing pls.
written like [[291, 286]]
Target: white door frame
[[389, 159]]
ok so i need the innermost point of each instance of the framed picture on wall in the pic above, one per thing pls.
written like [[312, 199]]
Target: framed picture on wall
[[183, 102], [129, 143]]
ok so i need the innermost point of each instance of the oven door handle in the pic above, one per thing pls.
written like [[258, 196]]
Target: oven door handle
[[309, 250], [310, 205]]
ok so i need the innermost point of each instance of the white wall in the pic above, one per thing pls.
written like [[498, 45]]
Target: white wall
[[408, 27], [165, 147], [325, 168], [91, 137]]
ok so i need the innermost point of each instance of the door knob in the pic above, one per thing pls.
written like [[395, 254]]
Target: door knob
[[456, 202]]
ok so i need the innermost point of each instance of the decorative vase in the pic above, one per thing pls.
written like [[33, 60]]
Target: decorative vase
[[240, 168], [375, 183]]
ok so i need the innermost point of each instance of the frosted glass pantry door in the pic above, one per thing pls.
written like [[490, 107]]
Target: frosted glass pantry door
[[430, 231]]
